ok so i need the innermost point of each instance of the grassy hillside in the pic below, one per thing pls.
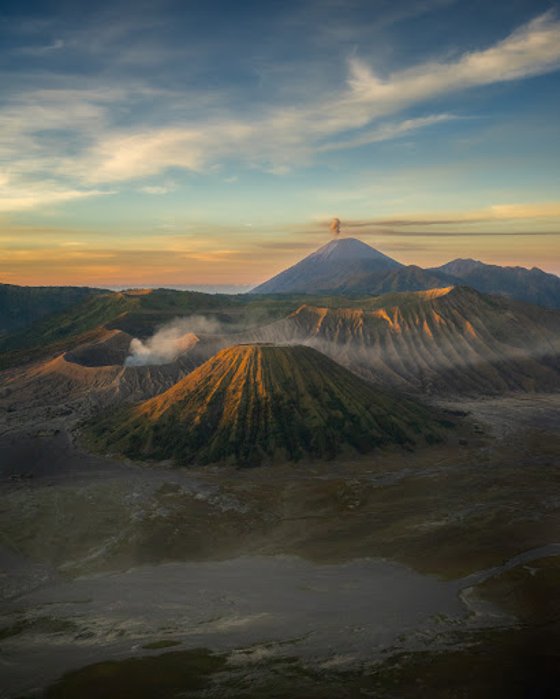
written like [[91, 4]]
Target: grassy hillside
[[61, 331], [21, 306], [255, 403], [136, 311]]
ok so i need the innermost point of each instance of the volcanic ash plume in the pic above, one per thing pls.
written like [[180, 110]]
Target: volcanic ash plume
[[335, 226]]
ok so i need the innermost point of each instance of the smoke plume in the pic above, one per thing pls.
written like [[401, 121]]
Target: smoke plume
[[335, 226], [170, 341]]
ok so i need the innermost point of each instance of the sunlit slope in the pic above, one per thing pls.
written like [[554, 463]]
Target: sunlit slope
[[442, 340], [255, 403]]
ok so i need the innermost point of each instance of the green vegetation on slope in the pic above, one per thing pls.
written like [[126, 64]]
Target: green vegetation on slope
[[62, 331], [21, 306], [255, 403], [141, 310]]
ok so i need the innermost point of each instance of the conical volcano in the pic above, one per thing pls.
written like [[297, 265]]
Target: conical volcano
[[258, 403], [336, 265]]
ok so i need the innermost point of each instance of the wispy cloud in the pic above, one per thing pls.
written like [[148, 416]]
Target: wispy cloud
[[42, 50], [91, 136], [531, 50], [161, 189], [282, 137], [387, 132], [19, 196], [494, 213]]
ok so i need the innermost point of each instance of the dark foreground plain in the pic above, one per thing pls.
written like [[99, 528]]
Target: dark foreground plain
[[433, 573]]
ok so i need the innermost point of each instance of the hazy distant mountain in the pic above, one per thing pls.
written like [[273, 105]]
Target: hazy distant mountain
[[532, 285], [348, 266], [338, 265], [409, 278], [254, 403]]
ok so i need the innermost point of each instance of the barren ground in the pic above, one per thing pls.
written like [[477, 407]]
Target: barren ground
[[392, 575]]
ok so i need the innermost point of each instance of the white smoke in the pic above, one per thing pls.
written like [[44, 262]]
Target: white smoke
[[170, 341]]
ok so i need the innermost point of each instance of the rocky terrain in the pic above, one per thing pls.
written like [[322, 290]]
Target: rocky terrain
[[450, 340], [399, 537]]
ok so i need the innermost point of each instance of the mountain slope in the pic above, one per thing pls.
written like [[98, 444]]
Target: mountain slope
[[404, 278], [94, 374], [330, 268], [530, 285], [21, 306], [440, 341], [254, 403], [136, 311]]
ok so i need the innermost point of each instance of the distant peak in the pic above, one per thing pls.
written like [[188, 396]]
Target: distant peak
[[346, 239], [345, 242], [463, 262], [348, 248], [332, 266]]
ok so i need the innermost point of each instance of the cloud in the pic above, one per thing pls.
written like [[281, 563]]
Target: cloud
[[212, 256], [20, 196], [280, 137], [387, 132], [56, 45], [494, 213], [533, 49], [158, 189], [515, 211], [77, 135]]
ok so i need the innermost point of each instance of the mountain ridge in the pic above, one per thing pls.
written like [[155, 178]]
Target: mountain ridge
[[532, 285], [358, 268], [448, 340]]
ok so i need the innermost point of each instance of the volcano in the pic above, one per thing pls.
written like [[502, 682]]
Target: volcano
[[337, 265], [258, 403]]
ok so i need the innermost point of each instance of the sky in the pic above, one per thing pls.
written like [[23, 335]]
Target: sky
[[191, 143]]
